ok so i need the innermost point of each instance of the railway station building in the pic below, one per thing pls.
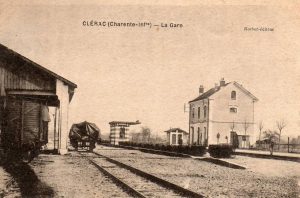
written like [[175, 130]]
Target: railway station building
[[27, 91], [222, 114]]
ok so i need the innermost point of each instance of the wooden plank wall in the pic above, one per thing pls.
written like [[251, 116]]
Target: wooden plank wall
[[24, 77]]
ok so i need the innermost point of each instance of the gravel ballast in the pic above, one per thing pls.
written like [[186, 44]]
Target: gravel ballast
[[216, 181], [74, 176]]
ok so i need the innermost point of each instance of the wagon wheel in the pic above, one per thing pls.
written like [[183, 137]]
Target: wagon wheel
[[91, 148], [27, 156]]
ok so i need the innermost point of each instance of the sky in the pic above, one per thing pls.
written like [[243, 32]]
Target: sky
[[148, 74]]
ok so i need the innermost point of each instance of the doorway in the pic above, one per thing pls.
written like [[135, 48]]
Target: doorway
[[53, 135]]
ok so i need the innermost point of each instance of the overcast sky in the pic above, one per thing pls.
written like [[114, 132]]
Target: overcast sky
[[148, 74]]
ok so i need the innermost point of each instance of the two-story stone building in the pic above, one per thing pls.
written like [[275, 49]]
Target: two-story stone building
[[223, 114]]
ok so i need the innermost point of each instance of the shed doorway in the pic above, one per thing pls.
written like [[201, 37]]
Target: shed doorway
[[52, 128]]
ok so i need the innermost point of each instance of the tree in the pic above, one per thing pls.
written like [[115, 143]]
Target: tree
[[135, 136], [143, 136], [272, 137], [146, 132], [260, 126], [281, 124]]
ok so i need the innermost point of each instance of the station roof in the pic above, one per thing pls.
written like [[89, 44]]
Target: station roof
[[176, 129], [213, 90], [6, 50], [208, 93], [124, 123]]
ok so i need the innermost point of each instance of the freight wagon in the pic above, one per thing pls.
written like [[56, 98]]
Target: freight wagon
[[25, 127], [84, 135], [27, 89]]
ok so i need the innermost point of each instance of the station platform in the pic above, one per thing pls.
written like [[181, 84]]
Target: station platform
[[266, 154]]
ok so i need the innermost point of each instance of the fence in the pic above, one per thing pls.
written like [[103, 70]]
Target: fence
[[287, 148]]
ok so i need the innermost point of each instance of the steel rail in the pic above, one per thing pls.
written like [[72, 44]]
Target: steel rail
[[166, 184], [128, 189]]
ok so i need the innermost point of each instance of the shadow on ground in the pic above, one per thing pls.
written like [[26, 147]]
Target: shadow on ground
[[26, 179]]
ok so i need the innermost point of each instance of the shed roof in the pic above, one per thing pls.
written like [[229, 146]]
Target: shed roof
[[124, 123], [4, 49], [175, 129]]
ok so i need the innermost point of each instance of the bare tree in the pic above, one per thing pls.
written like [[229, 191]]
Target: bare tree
[[135, 136], [271, 136], [146, 132], [260, 126], [281, 124], [143, 136]]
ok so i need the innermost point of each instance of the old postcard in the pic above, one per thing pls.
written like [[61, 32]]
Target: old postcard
[[149, 98]]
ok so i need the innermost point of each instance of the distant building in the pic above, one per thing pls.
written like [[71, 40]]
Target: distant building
[[119, 131], [223, 114], [177, 136]]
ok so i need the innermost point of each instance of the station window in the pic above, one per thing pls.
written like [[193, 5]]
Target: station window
[[198, 112], [193, 113], [122, 133], [180, 139], [233, 95], [173, 138], [233, 110], [192, 138], [205, 109], [198, 140]]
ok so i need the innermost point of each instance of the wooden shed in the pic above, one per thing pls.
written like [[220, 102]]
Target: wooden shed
[[177, 136], [27, 90]]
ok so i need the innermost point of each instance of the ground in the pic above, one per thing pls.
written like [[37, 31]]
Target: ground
[[72, 176], [59, 176], [262, 178]]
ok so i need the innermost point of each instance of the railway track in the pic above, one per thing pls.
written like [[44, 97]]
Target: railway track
[[135, 182]]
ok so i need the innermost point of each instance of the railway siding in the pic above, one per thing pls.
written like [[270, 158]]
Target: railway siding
[[213, 180], [137, 182]]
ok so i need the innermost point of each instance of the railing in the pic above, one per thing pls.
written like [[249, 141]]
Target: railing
[[287, 148]]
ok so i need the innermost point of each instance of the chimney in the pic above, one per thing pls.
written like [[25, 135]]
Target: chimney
[[222, 82], [201, 89], [216, 86]]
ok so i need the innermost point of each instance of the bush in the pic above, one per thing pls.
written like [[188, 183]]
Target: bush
[[157, 147], [124, 143], [181, 149], [192, 150], [163, 148], [168, 148], [220, 150], [197, 150]]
